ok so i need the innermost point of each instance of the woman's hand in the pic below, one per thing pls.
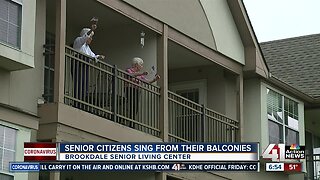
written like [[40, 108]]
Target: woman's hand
[[101, 57], [157, 77]]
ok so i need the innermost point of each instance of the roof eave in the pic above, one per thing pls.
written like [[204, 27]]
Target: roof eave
[[309, 100], [248, 35]]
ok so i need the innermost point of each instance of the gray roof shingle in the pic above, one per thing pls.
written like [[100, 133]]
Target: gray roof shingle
[[296, 61]]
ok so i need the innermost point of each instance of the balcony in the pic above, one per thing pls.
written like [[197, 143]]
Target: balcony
[[106, 91], [79, 89], [111, 93], [189, 121], [313, 167]]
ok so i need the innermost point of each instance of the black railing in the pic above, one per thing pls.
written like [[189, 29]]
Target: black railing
[[106, 91], [313, 167], [189, 121], [48, 72]]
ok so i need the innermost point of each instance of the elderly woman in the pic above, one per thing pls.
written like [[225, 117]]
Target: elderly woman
[[82, 43], [137, 65], [132, 91], [80, 70]]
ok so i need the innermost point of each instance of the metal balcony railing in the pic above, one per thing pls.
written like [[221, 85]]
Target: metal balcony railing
[[48, 72], [106, 91], [313, 167], [189, 121]]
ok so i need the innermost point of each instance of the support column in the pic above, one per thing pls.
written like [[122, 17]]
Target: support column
[[162, 64], [59, 63], [239, 137], [39, 41], [54, 175], [161, 176]]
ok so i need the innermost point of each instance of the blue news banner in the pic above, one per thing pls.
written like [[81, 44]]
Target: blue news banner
[[159, 152], [146, 157]]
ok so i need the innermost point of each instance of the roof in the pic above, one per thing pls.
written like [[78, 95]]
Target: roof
[[296, 61]]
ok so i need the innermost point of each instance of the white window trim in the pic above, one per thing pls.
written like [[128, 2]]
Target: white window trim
[[17, 1], [3, 148], [18, 48], [201, 85], [283, 124]]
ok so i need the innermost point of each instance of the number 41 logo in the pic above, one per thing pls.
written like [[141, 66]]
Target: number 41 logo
[[275, 152]]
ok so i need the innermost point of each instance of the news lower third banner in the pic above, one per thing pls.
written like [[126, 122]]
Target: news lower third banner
[[142, 152], [158, 152], [138, 157], [106, 167]]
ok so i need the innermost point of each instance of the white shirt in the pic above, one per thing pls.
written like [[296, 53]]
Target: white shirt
[[80, 44]]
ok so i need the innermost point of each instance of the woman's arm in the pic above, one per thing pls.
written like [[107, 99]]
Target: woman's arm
[[135, 74]]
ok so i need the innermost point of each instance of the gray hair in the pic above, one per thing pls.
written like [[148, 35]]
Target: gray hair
[[137, 60], [84, 31]]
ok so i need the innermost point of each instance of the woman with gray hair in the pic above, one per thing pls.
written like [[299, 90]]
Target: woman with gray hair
[[137, 65], [82, 42], [80, 70], [132, 91]]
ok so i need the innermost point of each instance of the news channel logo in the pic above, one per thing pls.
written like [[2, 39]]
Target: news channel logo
[[179, 166], [281, 152]]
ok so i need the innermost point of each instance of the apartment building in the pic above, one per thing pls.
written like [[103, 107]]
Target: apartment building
[[20, 82], [214, 82], [295, 62]]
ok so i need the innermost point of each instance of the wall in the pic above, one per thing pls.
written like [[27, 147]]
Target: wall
[[263, 116], [120, 44], [231, 95], [312, 123], [25, 55], [22, 88], [224, 29], [220, 91], [251, 110], [177, 15], [210, 22], [23, 135], [5, 86]]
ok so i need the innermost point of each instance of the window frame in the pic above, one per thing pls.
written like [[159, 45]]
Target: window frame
[[200, 84], [2, 171], [18, 25], [49, 67], [283, 124]]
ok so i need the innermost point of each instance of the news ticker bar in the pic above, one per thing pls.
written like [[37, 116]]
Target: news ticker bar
[[158, 147], [138, 152], [231, 166], [284, 167]]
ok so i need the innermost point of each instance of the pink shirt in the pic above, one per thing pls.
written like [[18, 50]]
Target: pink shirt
[[140, 77]]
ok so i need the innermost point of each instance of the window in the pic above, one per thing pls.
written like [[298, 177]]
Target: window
[[6, 177], [282, 119], [195, 91], [7, 149], [49, 67], [10, 22], [187, 120], [192, 95]]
